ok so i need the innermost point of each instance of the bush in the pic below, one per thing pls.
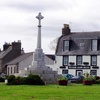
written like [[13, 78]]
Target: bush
[[2, 79], [11, 80], [18, 80], [97, 81], [33, 80], [30, 80], [97, 77]]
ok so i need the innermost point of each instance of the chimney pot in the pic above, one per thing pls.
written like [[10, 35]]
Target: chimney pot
[[66, 29]]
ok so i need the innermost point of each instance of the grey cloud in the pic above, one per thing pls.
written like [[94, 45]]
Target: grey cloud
[[19, 18], [45, 5]]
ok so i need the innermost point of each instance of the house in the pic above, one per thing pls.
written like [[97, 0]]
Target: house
[[78, 52], [9, 52], [24, 61]]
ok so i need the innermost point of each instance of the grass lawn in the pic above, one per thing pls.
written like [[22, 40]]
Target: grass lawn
[[50, 92]]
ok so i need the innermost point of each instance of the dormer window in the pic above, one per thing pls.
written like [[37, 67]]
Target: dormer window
[[66, 45], [94, 45]]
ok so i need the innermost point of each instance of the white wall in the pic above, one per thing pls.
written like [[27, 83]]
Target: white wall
[[98, 60], [86, 59], [98, 64], [58, 64], [72, 71], [58, 61], [25, 63], [72, 59]]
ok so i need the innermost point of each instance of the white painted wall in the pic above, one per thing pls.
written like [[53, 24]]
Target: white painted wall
[[58, 64], [98, 64], [25, 63], [58, 61], [86, 59], [72, 59], [72, 71], [98, 60]]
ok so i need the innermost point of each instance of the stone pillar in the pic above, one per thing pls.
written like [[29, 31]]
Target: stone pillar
[[39, 17], [38, 60]]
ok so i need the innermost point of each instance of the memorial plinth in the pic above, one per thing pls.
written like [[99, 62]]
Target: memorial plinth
[[38, 64]]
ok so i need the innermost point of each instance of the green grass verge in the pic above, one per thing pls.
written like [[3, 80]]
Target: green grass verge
[[49, 92]]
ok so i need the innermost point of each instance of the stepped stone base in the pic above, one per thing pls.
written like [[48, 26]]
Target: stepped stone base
[[47, 74]]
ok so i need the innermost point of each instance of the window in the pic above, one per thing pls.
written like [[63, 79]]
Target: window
[[11, 70], [93, 60], [17, 69], [8, 71], [66, 45], [93, 72], [82, 44], [65, 71], [79, 60], [94, 45], [65, 60], [14, 69]]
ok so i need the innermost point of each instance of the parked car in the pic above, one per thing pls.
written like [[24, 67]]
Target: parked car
[[74, 79]]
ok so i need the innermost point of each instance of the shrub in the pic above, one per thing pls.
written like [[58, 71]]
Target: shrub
[[30, 80], [18, 80], [97, 77], [33, 80], [97, 81], [62, 78], [11, 80], [87, 77], [1, 79]]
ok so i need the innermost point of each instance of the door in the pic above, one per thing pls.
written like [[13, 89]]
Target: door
[[79, 73]]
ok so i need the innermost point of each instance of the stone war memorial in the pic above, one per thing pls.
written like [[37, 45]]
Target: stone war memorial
[[38, 64]]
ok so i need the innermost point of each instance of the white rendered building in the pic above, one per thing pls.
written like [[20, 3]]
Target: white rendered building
[[78, 52]]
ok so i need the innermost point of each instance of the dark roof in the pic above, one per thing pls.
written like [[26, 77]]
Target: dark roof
[[3, 53], [51, 56], [75, 39], [20, 58]]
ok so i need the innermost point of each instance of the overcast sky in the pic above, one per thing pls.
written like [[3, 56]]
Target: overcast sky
[[18, 22]]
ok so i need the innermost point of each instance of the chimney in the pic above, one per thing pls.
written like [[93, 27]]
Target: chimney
[[6, 46], [16, 45], [66, 29]]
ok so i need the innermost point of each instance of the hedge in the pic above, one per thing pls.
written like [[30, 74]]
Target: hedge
[[30, 80]]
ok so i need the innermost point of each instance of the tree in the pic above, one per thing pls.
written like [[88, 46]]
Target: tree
[[53, 44]]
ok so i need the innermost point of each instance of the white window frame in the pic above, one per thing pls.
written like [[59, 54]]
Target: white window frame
[[66, 45], [94, 45], [64, 71], [65, 60], [93, 60], [93, 72], [79, 60]]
